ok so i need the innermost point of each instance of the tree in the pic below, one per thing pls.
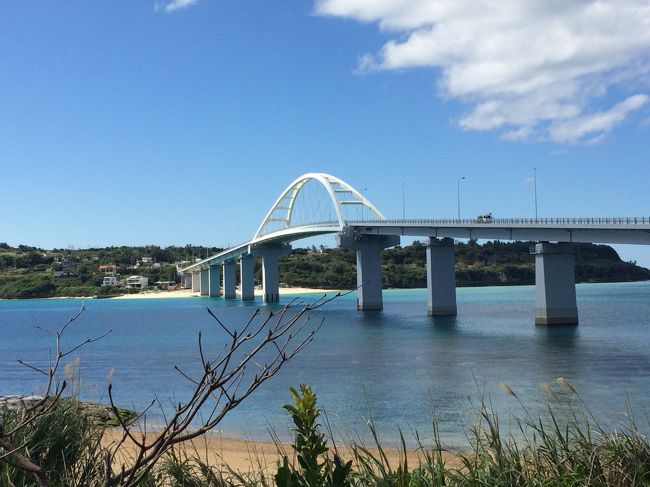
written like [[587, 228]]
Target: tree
[[263, 343]]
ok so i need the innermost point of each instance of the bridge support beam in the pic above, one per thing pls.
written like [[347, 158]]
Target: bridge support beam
[[555, 288], [187, 280], [196, 281], [441, 277], [205, 282], [214, 281], [270, 269], [369, 280], [229, 280], [247, 277]]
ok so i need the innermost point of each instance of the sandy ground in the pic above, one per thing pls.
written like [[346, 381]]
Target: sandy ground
[[252, 456], [187, 293]]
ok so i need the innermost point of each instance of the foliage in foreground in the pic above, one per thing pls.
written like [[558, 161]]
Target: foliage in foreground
[[562, 448], [64, 441], [316, 468], [41, 445]]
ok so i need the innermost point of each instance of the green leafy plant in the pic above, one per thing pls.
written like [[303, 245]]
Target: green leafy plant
[[316, 467]]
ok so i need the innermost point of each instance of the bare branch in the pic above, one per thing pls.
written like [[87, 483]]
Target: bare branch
[[185, 375], [85, 342], [41, 371], [125, 428], [220, 323], [223, 381], [203, 361], [24, 463], [263, 345]]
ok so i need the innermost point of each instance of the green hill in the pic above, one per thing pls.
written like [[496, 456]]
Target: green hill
[[29, 272], [492, 263]]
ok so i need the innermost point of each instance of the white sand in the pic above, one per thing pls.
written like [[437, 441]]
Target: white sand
[[187, 293], [248, 456]]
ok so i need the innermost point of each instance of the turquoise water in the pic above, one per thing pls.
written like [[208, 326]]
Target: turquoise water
[[396, 364]]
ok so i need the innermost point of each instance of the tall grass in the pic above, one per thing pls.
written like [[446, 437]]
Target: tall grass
[[565, 446], [64, 442]]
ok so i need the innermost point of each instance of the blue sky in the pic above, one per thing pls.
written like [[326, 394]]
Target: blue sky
[[181, 122]]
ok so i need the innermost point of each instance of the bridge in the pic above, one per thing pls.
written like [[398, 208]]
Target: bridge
[[319, 204]]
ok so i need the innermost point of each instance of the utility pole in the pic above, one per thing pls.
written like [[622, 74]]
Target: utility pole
[[363, 207], [458, 193], [535, 184]]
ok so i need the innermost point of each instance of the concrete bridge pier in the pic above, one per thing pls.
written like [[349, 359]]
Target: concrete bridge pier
[[229, 280], [369, 280], [187, 280], [247, 277], [196, 281], [205, 282], [214, 281], [555, 287], [270, 269], [441, 277]]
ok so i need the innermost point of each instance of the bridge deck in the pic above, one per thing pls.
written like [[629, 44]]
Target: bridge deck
[[625, 230], [621, 230]]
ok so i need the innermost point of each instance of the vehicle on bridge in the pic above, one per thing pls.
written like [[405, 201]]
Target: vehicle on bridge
[[486, 218]]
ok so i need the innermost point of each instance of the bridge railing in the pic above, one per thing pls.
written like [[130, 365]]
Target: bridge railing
[[635, 220], [324, 223]]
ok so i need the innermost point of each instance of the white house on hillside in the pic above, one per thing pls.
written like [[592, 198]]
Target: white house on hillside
[[109, 270], [137, 281]]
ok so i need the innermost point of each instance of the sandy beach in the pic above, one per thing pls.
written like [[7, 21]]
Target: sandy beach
[[187, 293], [249, 456], [244, 455]]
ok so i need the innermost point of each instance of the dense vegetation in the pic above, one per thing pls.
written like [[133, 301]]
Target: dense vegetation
[[29, 272], [562, 449], [492, 263]]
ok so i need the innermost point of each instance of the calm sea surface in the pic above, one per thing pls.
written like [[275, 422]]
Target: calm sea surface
[[397, 365]]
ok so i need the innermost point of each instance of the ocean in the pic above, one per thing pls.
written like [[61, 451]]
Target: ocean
[[397, 366]]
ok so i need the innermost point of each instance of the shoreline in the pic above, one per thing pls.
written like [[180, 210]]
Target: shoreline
[[183, 293], [188, 293], [249, 456]]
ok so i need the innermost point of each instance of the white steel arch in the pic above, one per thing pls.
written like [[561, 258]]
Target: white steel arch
[[332, 185]]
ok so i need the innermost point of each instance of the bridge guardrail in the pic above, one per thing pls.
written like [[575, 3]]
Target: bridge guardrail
[[626, 220], [323, 223], [635, 220]]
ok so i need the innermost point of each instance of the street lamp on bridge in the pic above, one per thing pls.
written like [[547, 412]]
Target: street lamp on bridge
[[535, 184], [458, 193], [363, 207]]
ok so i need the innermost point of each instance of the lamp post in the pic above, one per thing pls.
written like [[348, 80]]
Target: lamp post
[[535, 185], [458, 193], [403, 205], [363, 207]]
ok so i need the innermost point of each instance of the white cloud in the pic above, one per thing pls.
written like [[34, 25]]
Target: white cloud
[[528, 68], [596, 124], [173, 5]]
